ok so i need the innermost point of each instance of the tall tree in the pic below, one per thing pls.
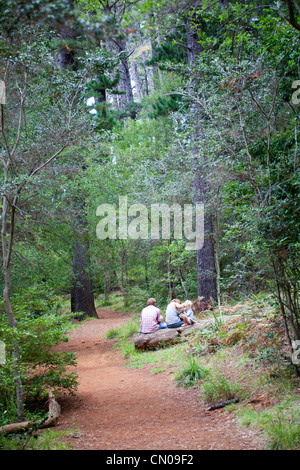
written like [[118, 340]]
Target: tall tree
[[82, 298], [206, 276]]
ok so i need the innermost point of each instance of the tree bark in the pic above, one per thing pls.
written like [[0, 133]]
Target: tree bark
[[126, 97], [148, 79], [217, 259], [7, 239], [206, 279], [82, 298], [194, 48], [205, 261], [137, 81]]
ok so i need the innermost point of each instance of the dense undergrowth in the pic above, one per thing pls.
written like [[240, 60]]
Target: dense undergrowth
[[242, 357]]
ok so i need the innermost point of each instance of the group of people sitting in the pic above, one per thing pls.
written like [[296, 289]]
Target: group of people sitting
[[177, 314]]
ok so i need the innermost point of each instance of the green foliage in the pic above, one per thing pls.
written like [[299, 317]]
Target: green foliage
[[163, 106], [31, 440], [137, 298], [105, 117], [229, 115], [217, 388], [191, 374], [35, 301], [16, 13], [40, 327], [169, 49], [281, 428], [125, 331]]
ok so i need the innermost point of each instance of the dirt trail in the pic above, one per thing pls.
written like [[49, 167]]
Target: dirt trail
[[118, 408]]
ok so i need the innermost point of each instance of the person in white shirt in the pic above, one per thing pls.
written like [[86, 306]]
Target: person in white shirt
[[173, 318], [188, 311]]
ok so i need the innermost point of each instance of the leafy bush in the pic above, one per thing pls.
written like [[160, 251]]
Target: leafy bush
[[137, 298], [39, 329], [34, 301]]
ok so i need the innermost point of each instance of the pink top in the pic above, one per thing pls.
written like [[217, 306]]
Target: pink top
[[150, 318]]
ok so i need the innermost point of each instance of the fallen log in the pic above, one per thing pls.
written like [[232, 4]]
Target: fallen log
[[53, 413], [168, 336], [148, 341], [15, 427], [51, 420], [222, 404]]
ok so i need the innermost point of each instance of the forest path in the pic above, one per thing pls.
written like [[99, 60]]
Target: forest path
[[119, 408]]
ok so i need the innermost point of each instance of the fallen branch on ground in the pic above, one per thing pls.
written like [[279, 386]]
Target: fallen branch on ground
[[222, 404], [51, 420]]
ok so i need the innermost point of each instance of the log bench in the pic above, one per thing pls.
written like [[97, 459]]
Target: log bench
[[164, 337]]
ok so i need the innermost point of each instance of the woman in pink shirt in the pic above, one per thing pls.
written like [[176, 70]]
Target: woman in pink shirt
[[151, 319]]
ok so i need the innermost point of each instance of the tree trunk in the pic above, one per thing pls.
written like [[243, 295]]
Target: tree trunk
[[122, 283], [182, 284], [82, 298], [148, 82], [206, 279], [7, 238], [217, 259], [137, 81], [126, 75], [205, 262], [126, 97], [194, 48], [170, 290]]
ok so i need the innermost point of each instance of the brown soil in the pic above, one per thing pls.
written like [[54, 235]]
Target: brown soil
[[119, 408]]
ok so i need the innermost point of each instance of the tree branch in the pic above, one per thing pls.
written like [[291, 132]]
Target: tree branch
[[47, 162], [10, 159], [23, 98], [291, 19]]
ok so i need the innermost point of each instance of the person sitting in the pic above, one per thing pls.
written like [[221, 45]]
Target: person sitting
[[173, 318], [162, 322], [188, 312], [150, 320]]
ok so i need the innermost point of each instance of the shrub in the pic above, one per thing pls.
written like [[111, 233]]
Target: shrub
[[137, 298], [39, 328]]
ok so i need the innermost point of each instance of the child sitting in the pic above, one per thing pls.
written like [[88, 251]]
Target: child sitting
[[188, 314]]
